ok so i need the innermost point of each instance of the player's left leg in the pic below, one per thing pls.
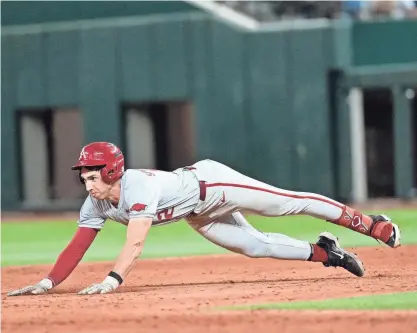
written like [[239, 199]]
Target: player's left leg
[[234, 233], [243, 193]]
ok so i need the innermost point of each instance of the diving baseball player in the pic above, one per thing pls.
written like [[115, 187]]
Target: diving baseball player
[[211, 198]]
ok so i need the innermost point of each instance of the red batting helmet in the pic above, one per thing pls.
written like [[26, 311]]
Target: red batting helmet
[[102, 154]]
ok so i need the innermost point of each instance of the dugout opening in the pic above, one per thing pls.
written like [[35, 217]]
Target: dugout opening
[[48, 145], [159, 135], [381, 148], [413, 96], [379, 142]]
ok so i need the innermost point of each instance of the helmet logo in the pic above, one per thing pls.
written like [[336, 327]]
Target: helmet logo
[[83, 154]]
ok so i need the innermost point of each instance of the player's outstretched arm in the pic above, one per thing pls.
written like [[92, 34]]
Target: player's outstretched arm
[[136, 234], [65, 264]]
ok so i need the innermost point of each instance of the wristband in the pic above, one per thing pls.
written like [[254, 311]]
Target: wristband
[[116, 276]]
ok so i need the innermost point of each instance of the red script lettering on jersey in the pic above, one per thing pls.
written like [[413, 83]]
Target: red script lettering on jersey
[[148, 172], [138, 207]]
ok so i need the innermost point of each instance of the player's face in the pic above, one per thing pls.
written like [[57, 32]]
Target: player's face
[[95, 185]]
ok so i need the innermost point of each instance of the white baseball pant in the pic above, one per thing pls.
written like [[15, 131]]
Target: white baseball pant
[[228, 193]]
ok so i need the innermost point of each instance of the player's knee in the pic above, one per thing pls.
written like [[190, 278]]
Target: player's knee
[[256, 252]]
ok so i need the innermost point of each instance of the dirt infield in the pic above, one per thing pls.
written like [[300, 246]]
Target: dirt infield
[[180, 294]]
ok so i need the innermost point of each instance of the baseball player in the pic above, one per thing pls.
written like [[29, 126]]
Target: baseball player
[[211, 198]]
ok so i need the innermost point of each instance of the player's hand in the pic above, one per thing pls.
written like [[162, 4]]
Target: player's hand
[[40, 288], [108, 285]]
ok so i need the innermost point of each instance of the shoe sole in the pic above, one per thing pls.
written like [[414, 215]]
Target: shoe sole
[[397, 232], [397, 236], [328, 235]]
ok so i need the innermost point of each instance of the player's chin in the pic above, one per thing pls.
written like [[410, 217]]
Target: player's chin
[[97, 196]]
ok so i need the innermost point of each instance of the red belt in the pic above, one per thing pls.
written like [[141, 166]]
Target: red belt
[[202, 184]]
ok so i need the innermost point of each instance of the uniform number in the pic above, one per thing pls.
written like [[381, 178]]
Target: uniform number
[[165, 214]]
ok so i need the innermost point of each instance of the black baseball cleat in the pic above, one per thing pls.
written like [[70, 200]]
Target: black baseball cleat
[[394, 240], [339, 257]]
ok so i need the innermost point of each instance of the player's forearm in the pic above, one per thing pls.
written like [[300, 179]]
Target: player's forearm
[[127, 259], [71, 255], [135, 240]]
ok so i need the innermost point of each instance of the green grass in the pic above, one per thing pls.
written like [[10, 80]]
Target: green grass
[[397, 301], [41, 242]]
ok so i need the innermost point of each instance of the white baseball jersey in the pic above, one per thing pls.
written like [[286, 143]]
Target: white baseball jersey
[[163, 196]]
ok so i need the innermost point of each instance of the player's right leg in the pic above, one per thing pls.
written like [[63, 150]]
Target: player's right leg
[[247, 194], [234, 233]]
